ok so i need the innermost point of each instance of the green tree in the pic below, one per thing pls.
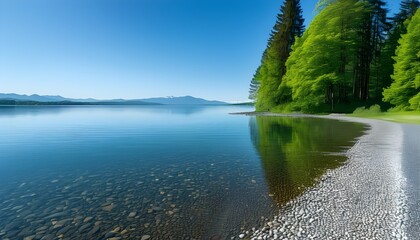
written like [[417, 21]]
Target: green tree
[[396, 29], [254, 85], [407, 9], [367, 77], [404, 92], [289, 24], [368, 80], [380, 25], [372, 35], [321, 64]]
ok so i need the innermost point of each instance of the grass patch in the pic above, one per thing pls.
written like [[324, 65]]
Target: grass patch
[[374, 110], [400, 117]]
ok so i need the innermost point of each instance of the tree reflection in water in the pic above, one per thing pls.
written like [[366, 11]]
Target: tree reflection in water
[[295, 152]]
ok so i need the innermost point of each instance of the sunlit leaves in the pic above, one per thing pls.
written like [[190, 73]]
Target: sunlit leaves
[[289, 25], [404, 92], [320, 63]]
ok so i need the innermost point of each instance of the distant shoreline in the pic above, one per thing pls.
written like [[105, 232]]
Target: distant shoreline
[[66, 103], [30, 103], [35, 99]]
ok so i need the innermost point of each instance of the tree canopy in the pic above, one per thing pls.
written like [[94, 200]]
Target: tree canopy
[[319, 68], [404, 92], [350, 53], [254, 85], [289, 24]]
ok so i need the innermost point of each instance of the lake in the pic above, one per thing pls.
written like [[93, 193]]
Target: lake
[[168, 172]]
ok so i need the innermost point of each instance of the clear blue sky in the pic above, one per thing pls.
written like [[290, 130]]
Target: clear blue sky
[[135, 48]]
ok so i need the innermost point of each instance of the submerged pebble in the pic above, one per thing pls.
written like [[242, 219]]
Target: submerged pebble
[[145, 237]]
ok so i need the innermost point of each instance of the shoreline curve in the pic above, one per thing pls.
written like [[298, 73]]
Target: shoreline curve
[[366, 198]]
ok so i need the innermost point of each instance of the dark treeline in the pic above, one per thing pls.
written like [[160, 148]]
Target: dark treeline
[[352, 54]]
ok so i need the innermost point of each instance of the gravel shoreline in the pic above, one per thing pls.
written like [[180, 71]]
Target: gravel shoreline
[[364, 199]]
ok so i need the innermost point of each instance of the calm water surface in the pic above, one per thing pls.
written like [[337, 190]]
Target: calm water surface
[[177, 172]]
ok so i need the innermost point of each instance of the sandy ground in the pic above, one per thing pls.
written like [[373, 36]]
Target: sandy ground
[[376, 195]]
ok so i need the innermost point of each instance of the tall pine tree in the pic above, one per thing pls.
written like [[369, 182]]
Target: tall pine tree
[[407, 9], [364, 57], [380, 25], [254, 85], [289, 24]]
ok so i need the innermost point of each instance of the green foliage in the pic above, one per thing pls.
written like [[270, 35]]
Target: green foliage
[[404, 92], [320, 66], [254, 85], [321, 4], [395, 29], [289, 24], [380, 26], [407, 9], [373, 110], [344, 60], [395, 116]]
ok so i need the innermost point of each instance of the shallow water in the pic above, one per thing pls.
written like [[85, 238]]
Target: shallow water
[[171, 172]]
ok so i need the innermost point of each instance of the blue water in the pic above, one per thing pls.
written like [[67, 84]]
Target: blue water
[[171, 172], [88, 138]]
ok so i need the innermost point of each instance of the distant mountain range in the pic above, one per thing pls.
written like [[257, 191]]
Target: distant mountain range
[[17, 99], [186, 100]]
